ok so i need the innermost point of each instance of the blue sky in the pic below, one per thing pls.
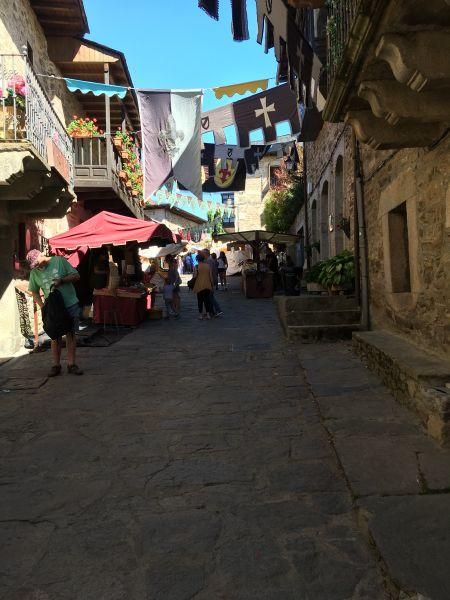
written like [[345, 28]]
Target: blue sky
[[172, 44]]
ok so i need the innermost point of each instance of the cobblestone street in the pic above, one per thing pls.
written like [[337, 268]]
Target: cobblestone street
[[217, 461]]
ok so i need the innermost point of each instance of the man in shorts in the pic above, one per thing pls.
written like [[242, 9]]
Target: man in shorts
[[56, 271]]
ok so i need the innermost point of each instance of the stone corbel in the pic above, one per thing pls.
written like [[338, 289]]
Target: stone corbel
[[417, 59], [393, 101], [380, 135]]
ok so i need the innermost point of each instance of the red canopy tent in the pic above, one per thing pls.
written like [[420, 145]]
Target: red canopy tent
[[109, 228]]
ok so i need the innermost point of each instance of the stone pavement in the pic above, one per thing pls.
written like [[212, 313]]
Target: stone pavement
[[216, 461]]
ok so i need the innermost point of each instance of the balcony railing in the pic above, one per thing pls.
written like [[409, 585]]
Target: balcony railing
[[341, 16], [26, 113]]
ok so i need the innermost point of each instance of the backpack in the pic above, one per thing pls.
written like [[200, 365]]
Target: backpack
[[55, 318]]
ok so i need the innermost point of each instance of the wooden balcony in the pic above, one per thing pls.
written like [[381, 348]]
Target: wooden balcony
[[97, 176]]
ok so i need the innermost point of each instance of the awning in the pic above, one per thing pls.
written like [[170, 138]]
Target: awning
[[156, 252], [250, 237], [108, 228]]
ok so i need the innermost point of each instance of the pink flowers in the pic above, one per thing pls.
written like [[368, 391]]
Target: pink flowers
[[17, 84]]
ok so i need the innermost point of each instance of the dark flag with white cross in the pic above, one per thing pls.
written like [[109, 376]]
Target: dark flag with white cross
[[264, 111]]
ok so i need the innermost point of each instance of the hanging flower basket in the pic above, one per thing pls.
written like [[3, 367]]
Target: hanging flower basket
[[117, 143], [85, 127]]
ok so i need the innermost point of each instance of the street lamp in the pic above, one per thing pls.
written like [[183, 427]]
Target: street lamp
[[289, 164]]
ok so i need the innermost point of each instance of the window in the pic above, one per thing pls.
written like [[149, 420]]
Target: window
[[399, 249], [30, 53], [274, 172]]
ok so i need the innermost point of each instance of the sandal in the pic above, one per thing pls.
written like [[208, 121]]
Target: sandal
[[54, 371], [74, 370]]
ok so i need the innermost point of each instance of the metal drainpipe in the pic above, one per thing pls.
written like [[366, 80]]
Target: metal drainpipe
[[362, 237], [306, 205]]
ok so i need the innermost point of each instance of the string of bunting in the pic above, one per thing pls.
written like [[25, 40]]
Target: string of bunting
[[86, 87], [204, 228], [164, 197]]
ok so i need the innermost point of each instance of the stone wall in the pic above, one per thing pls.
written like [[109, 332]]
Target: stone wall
[[249, 204], [330, 184], [19, 26], [420, 178]]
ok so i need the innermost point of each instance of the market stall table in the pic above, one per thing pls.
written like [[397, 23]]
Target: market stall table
[[121, 308], [256, 282]]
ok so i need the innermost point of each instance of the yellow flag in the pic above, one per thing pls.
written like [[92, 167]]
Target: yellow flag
[[241, 88]]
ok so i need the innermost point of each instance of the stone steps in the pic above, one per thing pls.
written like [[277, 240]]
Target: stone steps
[[315, 333], [317, 302], [323, 317], [314, 318]]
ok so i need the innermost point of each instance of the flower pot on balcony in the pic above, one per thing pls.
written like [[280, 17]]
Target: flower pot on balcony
[[123, 175], [7, 130], [80, 134], [128, 184], [124, 154], [117, 143], [134, 193]]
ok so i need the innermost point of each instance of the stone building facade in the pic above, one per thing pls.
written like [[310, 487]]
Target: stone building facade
[[406, 197], [172, 218], [249, 204], [24, 221], [385, 89], [330, 187]]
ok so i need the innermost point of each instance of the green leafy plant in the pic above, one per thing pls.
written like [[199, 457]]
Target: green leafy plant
[[312, 276], [338, 271], [283, 204], [125, 138], [83, 127], [218, 226]]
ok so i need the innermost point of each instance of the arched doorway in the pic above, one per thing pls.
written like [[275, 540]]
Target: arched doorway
[[324, 246], [339, 204], [314, 237]]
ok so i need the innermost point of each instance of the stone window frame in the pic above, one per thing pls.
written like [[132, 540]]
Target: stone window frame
[[403, 189]]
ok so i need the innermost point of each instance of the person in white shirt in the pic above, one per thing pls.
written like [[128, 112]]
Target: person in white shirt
[[222, 269]]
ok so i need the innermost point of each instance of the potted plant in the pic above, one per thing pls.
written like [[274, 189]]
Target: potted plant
[[338, 273], [83, 127], [13, 98], [312, 279], [123, 143]]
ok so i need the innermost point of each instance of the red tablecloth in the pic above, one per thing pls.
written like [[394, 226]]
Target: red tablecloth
[[130, 311]]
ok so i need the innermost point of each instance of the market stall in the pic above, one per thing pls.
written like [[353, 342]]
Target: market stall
[[109, 265], [257, 278]]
